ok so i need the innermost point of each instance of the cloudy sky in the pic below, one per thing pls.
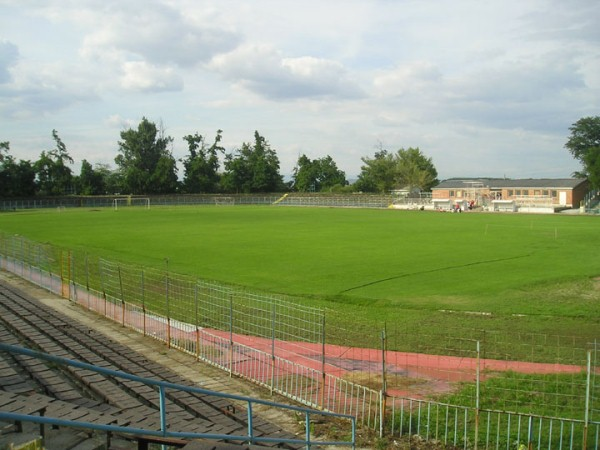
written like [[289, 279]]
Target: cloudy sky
[[483, 87]]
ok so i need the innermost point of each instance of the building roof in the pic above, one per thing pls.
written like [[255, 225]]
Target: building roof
[[499, 183]]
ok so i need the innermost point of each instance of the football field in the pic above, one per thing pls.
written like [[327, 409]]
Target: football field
[[535, 273]]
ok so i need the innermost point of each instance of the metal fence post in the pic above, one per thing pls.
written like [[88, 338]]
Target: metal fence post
[[196, 320], [530, 433], [477, 394], [122, 299], [272, 346], [103, 287], [62, 270], [323, 375], [382, 401], [87, 280], [167, 304], [73, 276], [587, 398], [143, 303], [230, 335], [23, 261]]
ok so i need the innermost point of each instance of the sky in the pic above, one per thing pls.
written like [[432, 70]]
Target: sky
[[485, 88]]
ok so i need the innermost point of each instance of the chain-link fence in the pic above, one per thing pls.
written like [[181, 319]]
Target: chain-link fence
[[461, 388]]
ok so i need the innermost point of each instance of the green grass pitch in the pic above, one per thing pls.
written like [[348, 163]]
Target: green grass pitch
[[432, 269]]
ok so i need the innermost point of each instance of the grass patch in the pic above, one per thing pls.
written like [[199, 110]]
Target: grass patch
[[421, 275], [550, 395]]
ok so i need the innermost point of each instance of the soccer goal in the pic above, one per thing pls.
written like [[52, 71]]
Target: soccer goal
[[224, 201], [143, 202]]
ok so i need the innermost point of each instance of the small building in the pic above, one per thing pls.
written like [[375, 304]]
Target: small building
[[527, 194]]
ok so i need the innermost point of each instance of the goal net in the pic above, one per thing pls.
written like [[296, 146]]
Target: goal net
[[143, 202], [224, 201]]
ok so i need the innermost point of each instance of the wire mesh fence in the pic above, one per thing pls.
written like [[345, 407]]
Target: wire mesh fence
[[289, 199], [463, 388]]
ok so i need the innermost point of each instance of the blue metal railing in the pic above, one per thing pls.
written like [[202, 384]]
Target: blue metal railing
[[591, 201], [164, 432]]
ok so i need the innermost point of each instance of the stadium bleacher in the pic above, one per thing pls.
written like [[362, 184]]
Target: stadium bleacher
[[30, 386]]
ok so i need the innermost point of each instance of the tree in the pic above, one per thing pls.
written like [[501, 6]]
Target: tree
[[404, 169], [305, 175], [17, 179], [4, 149], [253, 168], [415, 170], [53, 176], [330, 175], [584, 145], [90, 182], [112, 180], [23, 180], [145, 161], [164, 177], [317, 175], [378, 174], [201, 166]]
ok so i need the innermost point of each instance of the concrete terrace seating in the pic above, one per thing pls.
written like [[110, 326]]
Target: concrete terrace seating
[[28, 384]]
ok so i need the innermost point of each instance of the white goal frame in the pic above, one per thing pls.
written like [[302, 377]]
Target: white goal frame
[[224, 201], [131, 201]]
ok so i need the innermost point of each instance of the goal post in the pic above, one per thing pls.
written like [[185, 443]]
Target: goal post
[[224, 201], [121, 202]]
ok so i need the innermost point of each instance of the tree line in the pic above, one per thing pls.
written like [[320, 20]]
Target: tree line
[[145, 165]]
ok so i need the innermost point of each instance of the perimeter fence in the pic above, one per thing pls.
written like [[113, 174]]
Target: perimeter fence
[[467, 391], [282, 199]]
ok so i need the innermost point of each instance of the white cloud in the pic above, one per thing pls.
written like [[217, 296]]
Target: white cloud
[[264, 71], [157, 33], [40, 89], [141, 76], [454, 78], [9, 54], [413, 78], [116, 121]]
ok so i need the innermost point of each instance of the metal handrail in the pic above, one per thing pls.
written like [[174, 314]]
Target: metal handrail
[[164, 432]]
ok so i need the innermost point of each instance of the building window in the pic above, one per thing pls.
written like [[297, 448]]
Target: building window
[[510, 192], [554, 194], [451, 193], [518, 192], [545, 192]]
